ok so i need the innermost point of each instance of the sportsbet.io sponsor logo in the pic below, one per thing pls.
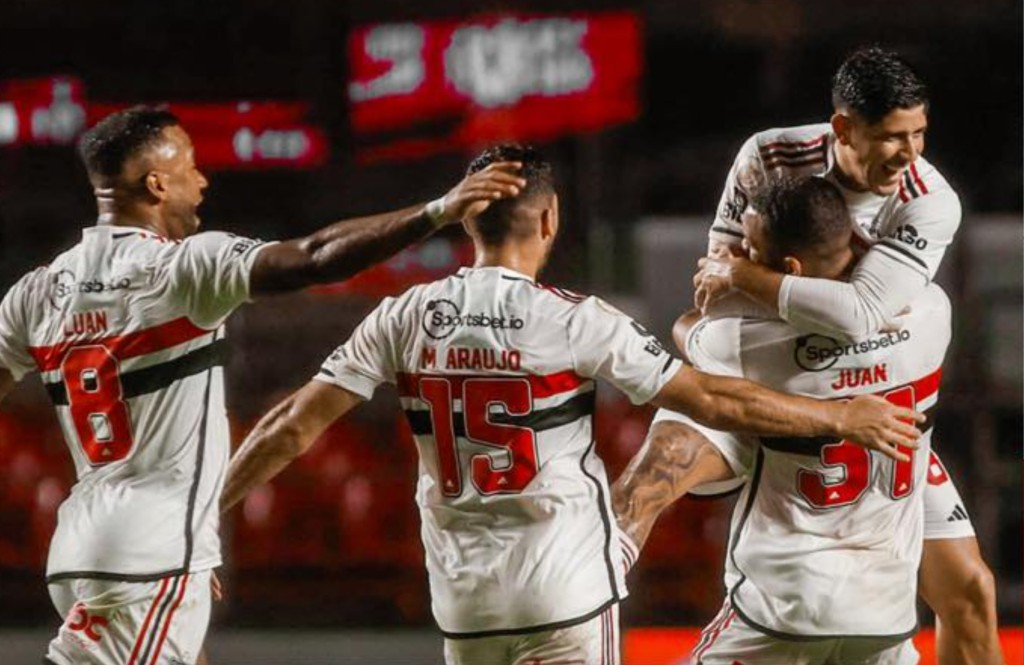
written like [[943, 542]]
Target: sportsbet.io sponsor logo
[[817, 353], [443, 317]]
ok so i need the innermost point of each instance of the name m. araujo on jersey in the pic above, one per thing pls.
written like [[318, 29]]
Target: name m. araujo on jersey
[[496, 376]]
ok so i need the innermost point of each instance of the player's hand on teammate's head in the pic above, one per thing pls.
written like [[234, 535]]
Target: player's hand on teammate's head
[[877, 424], [477, 191]]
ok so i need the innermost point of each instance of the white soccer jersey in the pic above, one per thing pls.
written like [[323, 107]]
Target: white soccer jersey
[[496, 376], [126, 331], [826, 537], [908, 231]]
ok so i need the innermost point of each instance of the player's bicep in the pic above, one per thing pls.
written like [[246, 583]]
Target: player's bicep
[[922, 231]]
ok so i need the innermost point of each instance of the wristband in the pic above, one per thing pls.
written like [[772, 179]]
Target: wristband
[[435, 212]]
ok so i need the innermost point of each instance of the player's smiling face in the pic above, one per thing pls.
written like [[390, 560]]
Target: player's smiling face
[[873, 156]]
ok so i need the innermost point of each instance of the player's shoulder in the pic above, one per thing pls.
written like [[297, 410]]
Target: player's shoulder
[[799, 146], [922, 180]]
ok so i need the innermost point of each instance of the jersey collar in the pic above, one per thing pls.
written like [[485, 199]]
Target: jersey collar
[[501, 270]]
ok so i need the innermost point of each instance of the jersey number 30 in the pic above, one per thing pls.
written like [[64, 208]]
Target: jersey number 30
[[490, 474], [856, 464], [92, 379]]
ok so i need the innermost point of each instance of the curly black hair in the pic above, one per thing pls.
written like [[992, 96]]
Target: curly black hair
[[105, 148], [873, 81]]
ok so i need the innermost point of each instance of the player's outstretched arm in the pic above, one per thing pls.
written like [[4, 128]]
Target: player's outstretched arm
[[738, 405], [674, 459], [286, 432], [345, 248]]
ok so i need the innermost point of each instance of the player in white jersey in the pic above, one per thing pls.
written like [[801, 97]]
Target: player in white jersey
[[126, 331], [905, 214], [826, 537], [496, 375]]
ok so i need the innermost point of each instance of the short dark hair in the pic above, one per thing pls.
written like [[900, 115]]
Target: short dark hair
[[873, 81], [106, 147], [800, 214], [496, 223]]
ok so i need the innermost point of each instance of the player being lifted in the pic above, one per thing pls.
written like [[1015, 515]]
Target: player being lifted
[[906, 213], [126, 331], [826, 537], [496, 374]]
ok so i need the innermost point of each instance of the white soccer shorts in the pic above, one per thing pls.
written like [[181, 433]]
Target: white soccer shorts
[[593, 642], [131, 623], [729, 641]]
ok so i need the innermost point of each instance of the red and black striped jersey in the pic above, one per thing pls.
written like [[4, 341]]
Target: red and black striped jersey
[[125, 330], [496, 375]]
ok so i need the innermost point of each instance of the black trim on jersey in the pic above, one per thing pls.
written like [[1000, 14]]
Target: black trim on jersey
[[532, 629], [754, 485], [668, 363], [112, 577], [889, 243], [812, 445], [574, 408], [200, 455], [517, 279], [910, 185], [324, 370], [118, 236], [157, 377], [727, 231], [605, 519]]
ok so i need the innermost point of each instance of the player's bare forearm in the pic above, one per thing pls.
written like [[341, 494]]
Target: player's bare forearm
[[345, 248], [673, 460], [286, 432], [758, 282], [738, 405]]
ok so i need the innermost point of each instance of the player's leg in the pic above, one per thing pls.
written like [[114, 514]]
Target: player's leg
[[593, 642], [728, 640], [955, 581], [108, 623]]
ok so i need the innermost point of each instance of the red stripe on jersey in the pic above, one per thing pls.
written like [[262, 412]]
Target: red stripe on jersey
[[917, 179], [813, 159], [564, 294], [927, 386], [903, 192], [541, 386], [129, 345], [776, 145]]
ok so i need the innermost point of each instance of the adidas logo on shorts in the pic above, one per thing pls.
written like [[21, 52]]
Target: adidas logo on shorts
[[958, 514]]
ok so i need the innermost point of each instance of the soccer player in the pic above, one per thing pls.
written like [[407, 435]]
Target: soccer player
[[496, 375], [905, 214], [126, 331], [826, 537]]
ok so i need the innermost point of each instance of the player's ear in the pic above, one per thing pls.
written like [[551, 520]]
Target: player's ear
[[792, 266], [156, 184], [549, 219], [841, 126]]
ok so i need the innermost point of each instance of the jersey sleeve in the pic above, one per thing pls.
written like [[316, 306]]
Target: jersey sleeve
[[713, 346], [14, 355], [365, 361], [922, 230], [878, 290], [745, 176], [211, 274], [607, 344]]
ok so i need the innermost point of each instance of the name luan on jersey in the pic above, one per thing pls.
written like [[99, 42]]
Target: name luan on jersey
[[914, 225], [126, 331], [826, 537], [496, 377]]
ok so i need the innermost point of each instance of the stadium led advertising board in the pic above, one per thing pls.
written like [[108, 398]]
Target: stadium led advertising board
[[416, 88]]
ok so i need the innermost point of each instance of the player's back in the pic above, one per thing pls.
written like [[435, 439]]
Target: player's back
[[496, 376], [826, 536], [124, 329]]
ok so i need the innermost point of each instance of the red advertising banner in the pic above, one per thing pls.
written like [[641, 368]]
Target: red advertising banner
[[41, 111], [245, 135], [524, 77]]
